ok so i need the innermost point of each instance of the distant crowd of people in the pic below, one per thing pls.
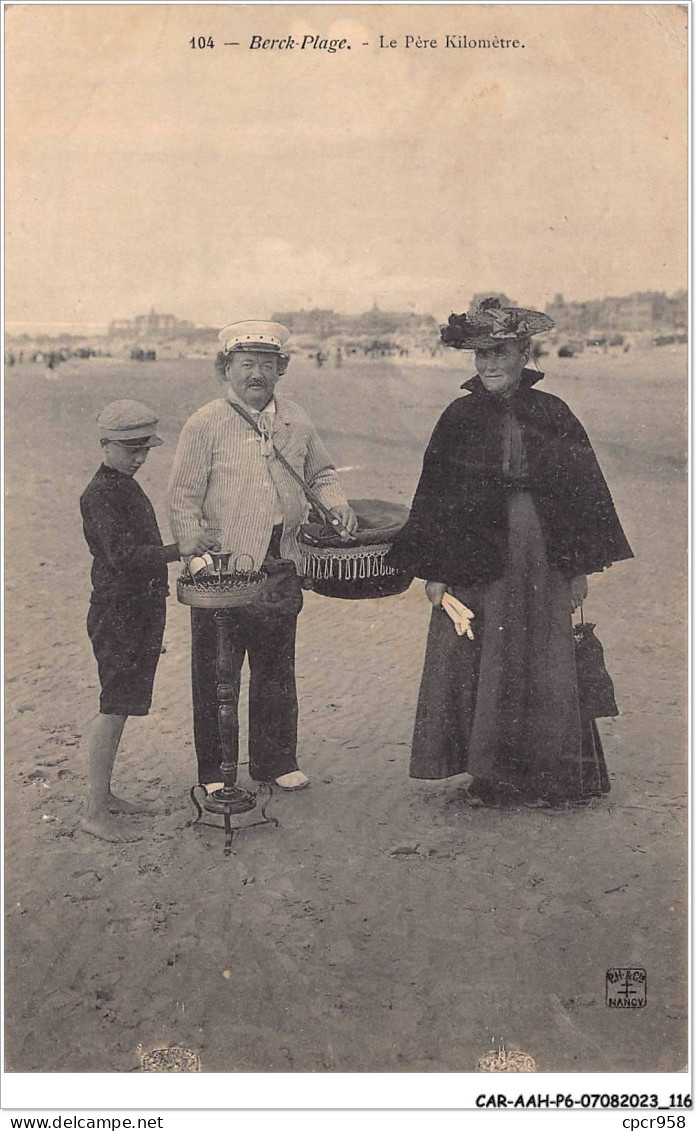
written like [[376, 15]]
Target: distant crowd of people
[[371, 350], [51, 358]]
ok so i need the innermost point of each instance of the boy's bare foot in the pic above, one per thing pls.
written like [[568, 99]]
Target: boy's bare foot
[[130, 808], [105, 828]]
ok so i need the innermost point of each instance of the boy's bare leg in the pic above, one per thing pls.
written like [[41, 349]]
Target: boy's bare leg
[[100, 800]]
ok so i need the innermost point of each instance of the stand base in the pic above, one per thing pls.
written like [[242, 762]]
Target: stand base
[[231, 803], [234, 800]]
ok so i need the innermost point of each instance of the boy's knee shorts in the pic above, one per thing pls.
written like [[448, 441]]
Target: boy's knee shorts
[[126, 635]]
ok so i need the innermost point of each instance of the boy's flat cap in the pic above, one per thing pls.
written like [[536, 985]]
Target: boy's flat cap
[[129, 422]]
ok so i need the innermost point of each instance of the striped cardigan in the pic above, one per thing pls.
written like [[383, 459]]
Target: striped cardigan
[[221, 478]]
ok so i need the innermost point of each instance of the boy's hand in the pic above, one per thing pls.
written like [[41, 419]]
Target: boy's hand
[[198, 545]]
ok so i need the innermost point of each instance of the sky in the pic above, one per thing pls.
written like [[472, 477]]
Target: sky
[[226, 183]]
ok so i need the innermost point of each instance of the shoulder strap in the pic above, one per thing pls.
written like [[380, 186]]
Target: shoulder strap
[[313, 498]]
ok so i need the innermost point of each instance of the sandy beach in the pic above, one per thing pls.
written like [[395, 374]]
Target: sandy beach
[[385, 926]]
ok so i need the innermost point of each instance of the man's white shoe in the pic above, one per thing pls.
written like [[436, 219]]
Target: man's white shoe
[[294, 780]]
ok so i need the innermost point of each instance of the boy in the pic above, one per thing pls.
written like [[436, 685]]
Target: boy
[[127, 612]]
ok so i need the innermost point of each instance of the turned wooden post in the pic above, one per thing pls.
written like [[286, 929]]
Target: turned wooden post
[[227, 709]]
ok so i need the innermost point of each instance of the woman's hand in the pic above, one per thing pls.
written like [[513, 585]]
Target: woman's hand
[[578, 591], [435, 591]]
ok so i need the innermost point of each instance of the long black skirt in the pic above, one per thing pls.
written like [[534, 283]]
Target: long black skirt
[[504, 706]]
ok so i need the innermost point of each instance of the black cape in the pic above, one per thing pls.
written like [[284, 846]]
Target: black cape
[[457, 528]]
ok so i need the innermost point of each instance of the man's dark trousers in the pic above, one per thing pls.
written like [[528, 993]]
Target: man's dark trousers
[[268, 639]]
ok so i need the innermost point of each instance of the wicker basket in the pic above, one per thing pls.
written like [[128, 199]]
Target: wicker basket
[[219, 591], [353, 573], [357, 569]]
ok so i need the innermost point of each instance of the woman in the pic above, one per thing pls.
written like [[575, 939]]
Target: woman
[[510, 515]]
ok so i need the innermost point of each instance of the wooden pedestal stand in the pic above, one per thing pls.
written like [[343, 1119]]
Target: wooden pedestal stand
[[231, 800]]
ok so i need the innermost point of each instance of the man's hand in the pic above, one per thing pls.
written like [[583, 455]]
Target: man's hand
[[198, 545], [347, 517], [435, 591], [578, 591]]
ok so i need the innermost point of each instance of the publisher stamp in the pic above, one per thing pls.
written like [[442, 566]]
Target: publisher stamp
[[627, 987]]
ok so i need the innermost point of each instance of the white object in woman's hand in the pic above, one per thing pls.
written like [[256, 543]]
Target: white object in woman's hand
[[435, 591], [460, 615]]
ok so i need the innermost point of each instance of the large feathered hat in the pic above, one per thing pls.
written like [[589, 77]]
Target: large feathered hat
[[491, 324]]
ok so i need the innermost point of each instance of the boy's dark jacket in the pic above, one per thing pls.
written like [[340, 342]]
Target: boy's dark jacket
[[123, 537], [457, 530]]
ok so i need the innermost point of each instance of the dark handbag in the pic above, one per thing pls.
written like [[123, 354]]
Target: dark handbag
[[281, 591], [595, 687]]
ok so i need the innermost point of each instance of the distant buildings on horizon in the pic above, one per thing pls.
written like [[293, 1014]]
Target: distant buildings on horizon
[[375, 323], [150, 325], [640, 312]]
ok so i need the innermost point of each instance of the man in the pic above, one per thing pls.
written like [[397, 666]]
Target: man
[[226, 478]]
